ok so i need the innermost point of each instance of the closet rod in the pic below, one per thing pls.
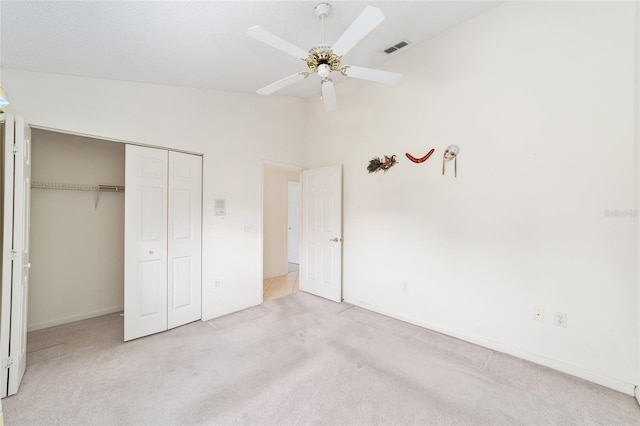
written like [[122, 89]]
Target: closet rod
[[77, 186]]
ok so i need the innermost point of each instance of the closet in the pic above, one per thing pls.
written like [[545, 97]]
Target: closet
[[163, 204], [88, 193], [77, 228]]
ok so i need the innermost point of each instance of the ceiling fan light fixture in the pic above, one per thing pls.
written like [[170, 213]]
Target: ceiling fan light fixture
[[324, 70]]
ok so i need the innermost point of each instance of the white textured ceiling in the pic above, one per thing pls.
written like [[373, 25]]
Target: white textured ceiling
[[204, 44]]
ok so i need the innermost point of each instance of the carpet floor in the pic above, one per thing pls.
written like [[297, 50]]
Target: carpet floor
[[297, 360]]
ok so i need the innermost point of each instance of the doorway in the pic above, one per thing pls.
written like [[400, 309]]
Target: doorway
[[281, 231]]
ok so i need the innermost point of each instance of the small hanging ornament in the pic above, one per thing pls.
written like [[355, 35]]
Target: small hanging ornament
[[451, 153], [376, 163]]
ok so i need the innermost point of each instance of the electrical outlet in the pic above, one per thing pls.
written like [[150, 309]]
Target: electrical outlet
[[405, 286], [560, 319], [538, 314], [216, 284]]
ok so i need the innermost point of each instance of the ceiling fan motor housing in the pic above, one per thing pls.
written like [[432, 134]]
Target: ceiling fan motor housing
[[323, 55]]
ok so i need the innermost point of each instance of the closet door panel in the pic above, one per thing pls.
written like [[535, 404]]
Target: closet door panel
[[145, 265], [185, 230]]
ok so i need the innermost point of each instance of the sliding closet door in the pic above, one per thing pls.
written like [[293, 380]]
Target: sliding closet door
[[185, 231], [145, 261]]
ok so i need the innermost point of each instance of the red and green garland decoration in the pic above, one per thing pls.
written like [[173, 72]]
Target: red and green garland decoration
[[376, 163]]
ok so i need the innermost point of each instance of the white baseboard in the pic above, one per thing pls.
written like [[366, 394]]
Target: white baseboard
[[600, 379], [637, 393], [226, 311], [74, 318]]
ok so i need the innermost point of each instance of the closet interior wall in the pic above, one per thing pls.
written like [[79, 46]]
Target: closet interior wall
[[77, 247]]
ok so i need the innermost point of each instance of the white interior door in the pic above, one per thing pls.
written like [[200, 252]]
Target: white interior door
[[185, 239], [321, 260], [15, 249], [7, 247], [21, 266], [145, 261], [293, 222]]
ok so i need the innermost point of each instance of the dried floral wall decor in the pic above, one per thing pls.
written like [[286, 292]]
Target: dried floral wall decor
[[376, 163]]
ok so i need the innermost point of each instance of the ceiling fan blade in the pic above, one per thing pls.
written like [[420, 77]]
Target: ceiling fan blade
[[329, 95], [370, 74], [273, 40], [370, 18], [280, 84]]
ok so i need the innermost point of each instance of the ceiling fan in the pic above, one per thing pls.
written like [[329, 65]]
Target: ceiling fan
[[324, 59]]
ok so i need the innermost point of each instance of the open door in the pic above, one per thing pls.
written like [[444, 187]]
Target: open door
[[321, 257], [15, 249]]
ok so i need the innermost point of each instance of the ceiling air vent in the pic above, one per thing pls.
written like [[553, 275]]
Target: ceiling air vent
[[398, 46]]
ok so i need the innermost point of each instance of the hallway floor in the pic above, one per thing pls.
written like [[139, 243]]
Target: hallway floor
[[283, 285]]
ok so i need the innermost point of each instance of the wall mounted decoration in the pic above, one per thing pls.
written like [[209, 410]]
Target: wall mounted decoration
[[376, 163], [421, 159], [451, 153]]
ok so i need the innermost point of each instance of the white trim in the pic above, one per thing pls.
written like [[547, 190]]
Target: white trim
[[636, 108], [637, 393], [232, 310], [601, 379], [108, 139], [74, 318]]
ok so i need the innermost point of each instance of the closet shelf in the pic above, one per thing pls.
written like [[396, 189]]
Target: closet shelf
[[78, 187]]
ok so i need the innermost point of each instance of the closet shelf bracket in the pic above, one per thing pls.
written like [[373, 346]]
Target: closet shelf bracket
[[106, 188]]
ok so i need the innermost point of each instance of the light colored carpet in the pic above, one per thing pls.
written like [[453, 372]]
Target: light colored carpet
[[296, 360]]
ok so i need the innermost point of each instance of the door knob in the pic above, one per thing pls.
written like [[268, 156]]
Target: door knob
[[150, 251], [27, 265], [335, 240]]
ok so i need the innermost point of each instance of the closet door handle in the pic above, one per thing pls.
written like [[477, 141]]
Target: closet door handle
[[150, 251]]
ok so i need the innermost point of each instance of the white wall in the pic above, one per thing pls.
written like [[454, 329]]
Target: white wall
[[275, 219], [235, 133], [77, 251], [540, 98]]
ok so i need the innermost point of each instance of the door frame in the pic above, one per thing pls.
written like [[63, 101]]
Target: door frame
[[295, 187], [263, 164], [637, 197]]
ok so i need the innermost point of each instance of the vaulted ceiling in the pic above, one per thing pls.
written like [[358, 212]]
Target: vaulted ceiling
[[204, 44]]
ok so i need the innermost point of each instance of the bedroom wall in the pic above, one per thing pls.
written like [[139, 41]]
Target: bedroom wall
[[76, 249], [235, 132], [540, 98], [275, 219]]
